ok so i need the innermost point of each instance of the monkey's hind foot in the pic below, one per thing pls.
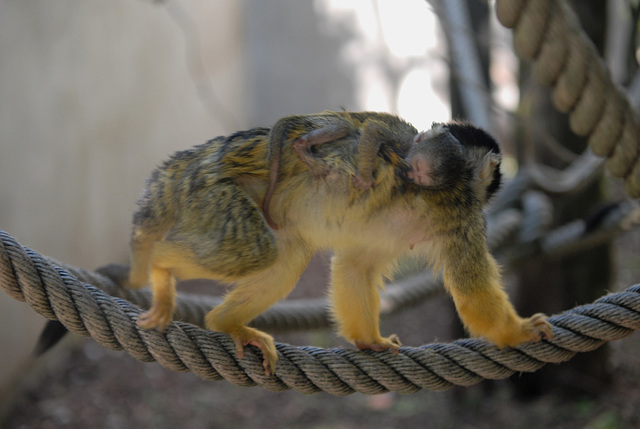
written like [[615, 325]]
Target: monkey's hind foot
[[246, 336], [392, 342], [538, 327], [158, 317]]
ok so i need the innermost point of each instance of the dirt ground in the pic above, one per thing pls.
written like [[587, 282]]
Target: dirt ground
[[98, 388]]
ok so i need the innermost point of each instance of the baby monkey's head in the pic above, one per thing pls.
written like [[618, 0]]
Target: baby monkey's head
[[455, 154]]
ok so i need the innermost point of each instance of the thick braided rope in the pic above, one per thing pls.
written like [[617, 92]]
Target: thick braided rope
[[298, 314], [86, 310], [548, 32]]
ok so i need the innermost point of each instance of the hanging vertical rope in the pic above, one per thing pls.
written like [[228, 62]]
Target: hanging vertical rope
[[548, 33]]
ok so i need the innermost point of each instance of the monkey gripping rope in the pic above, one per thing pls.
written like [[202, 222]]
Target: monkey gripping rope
[[545, 31], [55, 292]]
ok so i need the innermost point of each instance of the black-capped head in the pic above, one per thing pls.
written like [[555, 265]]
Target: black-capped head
[[483, 153]]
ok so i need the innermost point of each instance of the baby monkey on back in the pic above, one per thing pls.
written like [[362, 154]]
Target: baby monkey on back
[[433, 158], [367, 185]]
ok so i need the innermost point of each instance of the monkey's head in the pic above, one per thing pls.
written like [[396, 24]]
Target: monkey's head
[[455, 152]]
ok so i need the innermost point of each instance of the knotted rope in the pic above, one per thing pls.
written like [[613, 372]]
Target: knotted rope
[[548, 32], [55, 292]]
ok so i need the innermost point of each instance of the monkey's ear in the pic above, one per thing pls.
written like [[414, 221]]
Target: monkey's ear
[[486, 168]]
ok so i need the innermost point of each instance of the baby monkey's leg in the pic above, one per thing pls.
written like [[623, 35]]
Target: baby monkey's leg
[[334, 130], [374, 133]]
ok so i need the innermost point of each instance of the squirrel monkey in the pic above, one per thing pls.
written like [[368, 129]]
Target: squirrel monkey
[[200, 217]]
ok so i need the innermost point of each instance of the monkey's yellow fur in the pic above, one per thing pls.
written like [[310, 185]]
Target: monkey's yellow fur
[[200, 218]]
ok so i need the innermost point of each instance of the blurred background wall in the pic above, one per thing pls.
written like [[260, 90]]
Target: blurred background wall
[[92, 96]]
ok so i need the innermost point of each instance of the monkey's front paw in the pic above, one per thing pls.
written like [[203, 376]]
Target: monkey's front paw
[[252, 337], [392, 342], [532, 329], [156, 318], [362, 183], [538, 327]]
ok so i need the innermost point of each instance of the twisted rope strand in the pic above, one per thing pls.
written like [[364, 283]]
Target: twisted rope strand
[[55, 293]]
